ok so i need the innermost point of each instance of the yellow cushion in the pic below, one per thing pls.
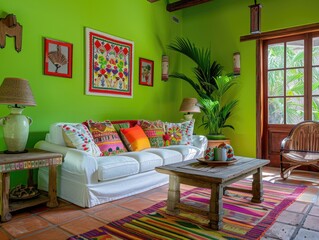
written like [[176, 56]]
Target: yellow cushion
[[135, 138]]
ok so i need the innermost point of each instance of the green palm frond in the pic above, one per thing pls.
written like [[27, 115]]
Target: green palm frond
[[200, 56], [205, 72], [209, 84]]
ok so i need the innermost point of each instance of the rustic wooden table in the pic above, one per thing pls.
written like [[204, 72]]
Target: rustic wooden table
[[34, 158], [215, 178]]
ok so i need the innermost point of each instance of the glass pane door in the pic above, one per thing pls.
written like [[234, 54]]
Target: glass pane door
[[315, 79], [286, 87]]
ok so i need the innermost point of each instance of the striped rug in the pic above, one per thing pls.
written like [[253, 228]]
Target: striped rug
[[242, 218]]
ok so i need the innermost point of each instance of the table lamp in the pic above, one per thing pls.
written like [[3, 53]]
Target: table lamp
[[16, 92], [189, 106]]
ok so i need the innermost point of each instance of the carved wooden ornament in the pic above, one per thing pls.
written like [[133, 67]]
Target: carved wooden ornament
[[11, 28]]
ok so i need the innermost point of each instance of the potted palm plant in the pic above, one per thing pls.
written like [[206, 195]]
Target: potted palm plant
[[211, 86]]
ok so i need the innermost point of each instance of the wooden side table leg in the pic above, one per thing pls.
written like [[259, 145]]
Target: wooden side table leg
[[53, 202], [30, 178], [173, 195], [215, 214], [4, 198], [257, 187]]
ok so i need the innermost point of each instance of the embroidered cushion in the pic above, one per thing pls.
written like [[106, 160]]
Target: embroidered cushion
[[180, 133], [187, 132], [173, 133], [79, 136], [131, 123], [135, 138], [118, 126], [106, 137], [154, 130]]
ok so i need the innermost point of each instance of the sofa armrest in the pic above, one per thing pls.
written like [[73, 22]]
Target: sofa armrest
[[201, 142], [75, 161]]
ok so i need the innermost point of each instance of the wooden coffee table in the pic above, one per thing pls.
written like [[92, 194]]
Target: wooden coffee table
[[215, 178]]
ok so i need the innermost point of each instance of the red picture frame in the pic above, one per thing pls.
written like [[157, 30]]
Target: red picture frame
[[146, 72], [109, 63], [58, 58]]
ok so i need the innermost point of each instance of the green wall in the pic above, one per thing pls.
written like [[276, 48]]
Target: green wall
[[219, 25], [148, 25]]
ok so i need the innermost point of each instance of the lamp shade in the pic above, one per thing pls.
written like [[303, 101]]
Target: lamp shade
[[16, 91], [189, 105]]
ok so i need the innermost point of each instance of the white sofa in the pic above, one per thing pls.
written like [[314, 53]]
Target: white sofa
[[88, 181]]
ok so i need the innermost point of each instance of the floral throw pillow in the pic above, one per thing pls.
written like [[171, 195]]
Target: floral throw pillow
[[173, 134], [180, 133], [79, 136], [106, 137], [187, 132], [154, 130]]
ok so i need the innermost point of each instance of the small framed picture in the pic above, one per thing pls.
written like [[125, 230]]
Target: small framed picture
[[146, 72], [58, 58]]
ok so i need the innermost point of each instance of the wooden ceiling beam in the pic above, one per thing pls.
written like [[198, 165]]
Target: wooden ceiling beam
[[183, 4]]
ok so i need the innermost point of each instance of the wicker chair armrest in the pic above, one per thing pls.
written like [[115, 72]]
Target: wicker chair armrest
[[284, 143], [305, 151]]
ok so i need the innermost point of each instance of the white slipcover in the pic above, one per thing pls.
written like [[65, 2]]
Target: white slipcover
[[87, 181]]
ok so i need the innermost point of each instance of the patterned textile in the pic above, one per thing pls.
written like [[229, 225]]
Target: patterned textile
[[154, 130], [79, 136], [180, 133], [135, 138], [106, 137], [118, 126], [242, 218], [174, 133], [132, 123]]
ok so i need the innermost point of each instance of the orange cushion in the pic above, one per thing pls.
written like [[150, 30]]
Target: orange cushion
[[135, 138]]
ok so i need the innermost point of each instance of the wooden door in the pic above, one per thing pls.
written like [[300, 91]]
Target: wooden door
[[290, 83]]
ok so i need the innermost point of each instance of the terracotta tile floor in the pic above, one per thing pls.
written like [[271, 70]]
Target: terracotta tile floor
[[298, 221]]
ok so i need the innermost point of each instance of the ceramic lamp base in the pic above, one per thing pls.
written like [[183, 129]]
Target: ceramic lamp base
[[15, 130], [188, 117]]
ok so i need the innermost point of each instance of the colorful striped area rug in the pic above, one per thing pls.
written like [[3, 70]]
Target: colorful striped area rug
[[242, 218]]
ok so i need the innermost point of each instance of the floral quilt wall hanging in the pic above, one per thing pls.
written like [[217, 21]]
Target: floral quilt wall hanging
[[109, 62]]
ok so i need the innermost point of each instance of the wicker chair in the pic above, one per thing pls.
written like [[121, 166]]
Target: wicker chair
[[300, 148]]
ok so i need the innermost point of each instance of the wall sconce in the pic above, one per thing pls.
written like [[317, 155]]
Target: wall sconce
[[236, 63], [255, 12], [165, 64]]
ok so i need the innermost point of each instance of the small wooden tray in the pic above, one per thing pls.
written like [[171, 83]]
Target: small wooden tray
[[216, 163]]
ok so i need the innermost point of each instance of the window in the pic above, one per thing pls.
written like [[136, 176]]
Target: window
[[292, 73]]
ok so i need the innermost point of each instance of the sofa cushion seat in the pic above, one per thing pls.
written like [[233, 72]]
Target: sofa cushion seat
[[188, 151], [168, 156], [147, 161], [113, 167]]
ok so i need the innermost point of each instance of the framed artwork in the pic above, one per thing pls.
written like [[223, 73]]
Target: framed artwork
[[146, 76], [109, 63], [58, 58]]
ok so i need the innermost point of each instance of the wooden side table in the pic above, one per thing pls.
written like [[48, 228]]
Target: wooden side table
[[34, 158]]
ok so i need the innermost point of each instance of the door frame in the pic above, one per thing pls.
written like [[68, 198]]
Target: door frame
[[261, 138]]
